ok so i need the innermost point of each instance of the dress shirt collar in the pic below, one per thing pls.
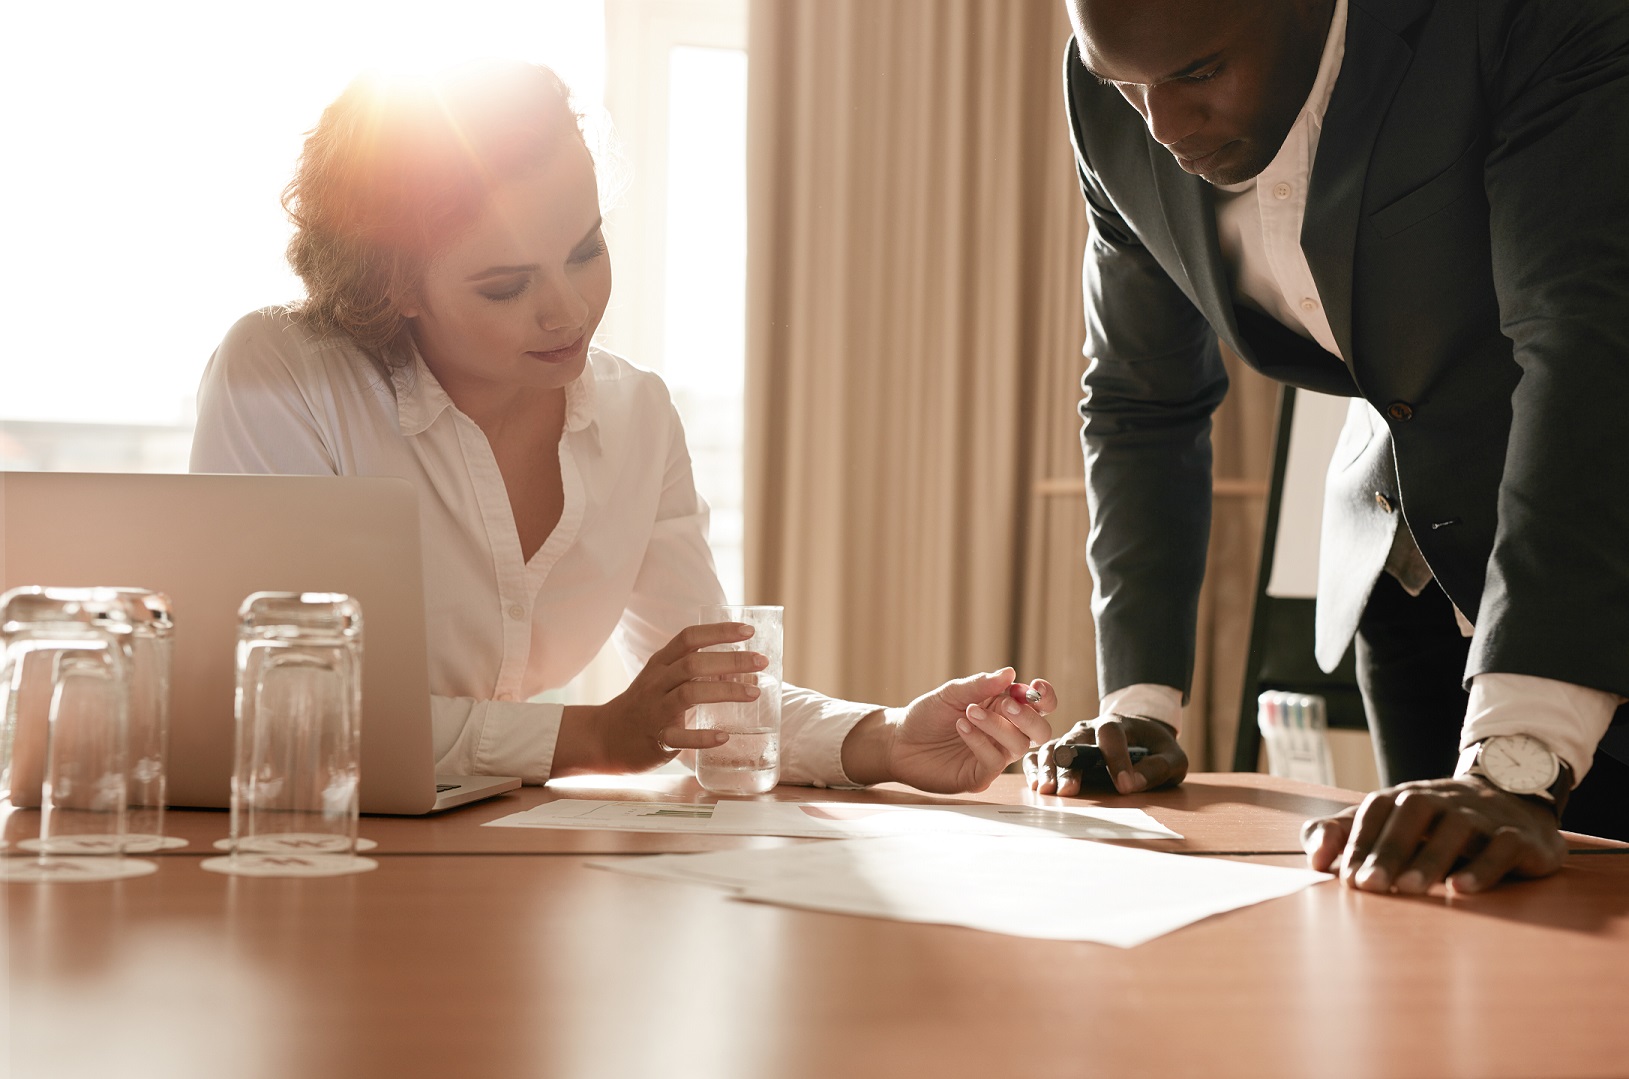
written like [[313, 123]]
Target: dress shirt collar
[[582, 395], [1329, 67], [1311, 117], [420, 398]]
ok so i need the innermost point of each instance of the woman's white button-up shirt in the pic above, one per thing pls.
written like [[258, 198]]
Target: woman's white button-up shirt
[[628, 560]]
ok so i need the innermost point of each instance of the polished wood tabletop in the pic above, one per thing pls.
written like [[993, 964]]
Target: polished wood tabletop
[[465, 955], [1222, 813], [1217, 813]]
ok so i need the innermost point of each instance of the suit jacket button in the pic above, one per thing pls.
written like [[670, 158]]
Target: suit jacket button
[[1401, 411], [1384, 502]]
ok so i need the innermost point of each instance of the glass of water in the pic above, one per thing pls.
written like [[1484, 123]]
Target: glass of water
[[750, 762]]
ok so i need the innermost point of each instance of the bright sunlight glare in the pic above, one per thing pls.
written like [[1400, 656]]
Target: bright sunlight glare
[[149, 145]]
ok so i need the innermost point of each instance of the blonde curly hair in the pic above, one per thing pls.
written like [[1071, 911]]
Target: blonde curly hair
[[395, 169]]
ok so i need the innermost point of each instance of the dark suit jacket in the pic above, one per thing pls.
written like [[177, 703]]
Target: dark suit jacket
[[1468, 229]]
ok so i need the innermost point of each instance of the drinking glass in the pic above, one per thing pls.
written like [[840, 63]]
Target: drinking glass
[[65, 680], [750, 762], [299, 711], [152, 626]]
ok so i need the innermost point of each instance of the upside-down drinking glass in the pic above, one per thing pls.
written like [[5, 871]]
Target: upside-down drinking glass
[[65, 680], [299, 714]]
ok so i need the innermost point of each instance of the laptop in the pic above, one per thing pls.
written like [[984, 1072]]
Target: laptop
[[209, 541]]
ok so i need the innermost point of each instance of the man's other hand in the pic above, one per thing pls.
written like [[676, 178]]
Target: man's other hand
[[1408, 838], [1166, 764]]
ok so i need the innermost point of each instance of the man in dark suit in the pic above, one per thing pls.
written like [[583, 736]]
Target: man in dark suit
[[1423, 205]]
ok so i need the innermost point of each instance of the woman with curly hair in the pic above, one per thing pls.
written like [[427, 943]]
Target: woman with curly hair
[[448, 235]]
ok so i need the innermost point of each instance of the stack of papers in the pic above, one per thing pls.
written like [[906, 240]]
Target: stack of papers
[[1019, 885], [1003, 869], [839, 820]]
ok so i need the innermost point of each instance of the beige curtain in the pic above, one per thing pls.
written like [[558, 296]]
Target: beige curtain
[[913, 340]]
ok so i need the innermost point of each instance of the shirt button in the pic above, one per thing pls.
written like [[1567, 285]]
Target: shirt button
[[1309, 304], [1401, 411], [517, 612], [1384, 502], [505, 697], [1281, 191]]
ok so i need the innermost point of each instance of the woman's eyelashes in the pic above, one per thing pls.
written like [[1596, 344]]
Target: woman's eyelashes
[[513, 290], [508, 292], [590, 251]]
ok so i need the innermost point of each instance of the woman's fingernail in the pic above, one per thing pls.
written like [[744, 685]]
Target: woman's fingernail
[[1010, 706], [743, 631], [1138, 782], [1369, 873], [752, 692], [1412, 881], [976, 712], [760, 661]]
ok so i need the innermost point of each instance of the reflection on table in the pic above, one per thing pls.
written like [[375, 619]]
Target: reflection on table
[[495, 952]]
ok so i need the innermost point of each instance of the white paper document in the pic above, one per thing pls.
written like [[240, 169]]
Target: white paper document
[[838, 820], [1021, 886]]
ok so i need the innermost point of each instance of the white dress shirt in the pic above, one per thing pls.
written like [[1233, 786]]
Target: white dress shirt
[[628, 560], [1258, 222], [1258, 225]]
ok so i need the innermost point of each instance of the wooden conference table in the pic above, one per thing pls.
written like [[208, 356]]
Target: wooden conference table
[[483, 952]]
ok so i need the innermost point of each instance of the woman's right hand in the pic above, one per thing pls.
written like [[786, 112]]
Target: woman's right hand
[[643, 727]]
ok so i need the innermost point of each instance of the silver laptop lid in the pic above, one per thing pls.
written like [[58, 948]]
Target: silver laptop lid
[[209, 541]]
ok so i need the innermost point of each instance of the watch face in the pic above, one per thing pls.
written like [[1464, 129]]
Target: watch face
[[1518, 763]]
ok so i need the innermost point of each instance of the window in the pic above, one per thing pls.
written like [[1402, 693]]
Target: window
[[149, 146], [152, 143], [676, 89], [704, 317], [676, 92]]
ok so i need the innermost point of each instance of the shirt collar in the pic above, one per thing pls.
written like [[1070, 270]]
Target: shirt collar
[[419, 397], [1329, 67], [1311, 117], [420, 400], [582, 397]]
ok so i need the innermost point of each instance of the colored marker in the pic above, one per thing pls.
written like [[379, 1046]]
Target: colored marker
[[1087, 761]]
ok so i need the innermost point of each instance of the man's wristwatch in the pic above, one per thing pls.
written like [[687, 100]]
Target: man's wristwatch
[[1520, 764]]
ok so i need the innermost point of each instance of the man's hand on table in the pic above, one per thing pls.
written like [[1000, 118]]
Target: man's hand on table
[[1415, 835], [1166, 764]]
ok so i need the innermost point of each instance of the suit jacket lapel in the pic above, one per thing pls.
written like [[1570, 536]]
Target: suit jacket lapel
[[1376, 59], [1190, 215]]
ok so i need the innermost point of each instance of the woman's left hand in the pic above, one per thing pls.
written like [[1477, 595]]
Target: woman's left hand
[[957, 738]]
